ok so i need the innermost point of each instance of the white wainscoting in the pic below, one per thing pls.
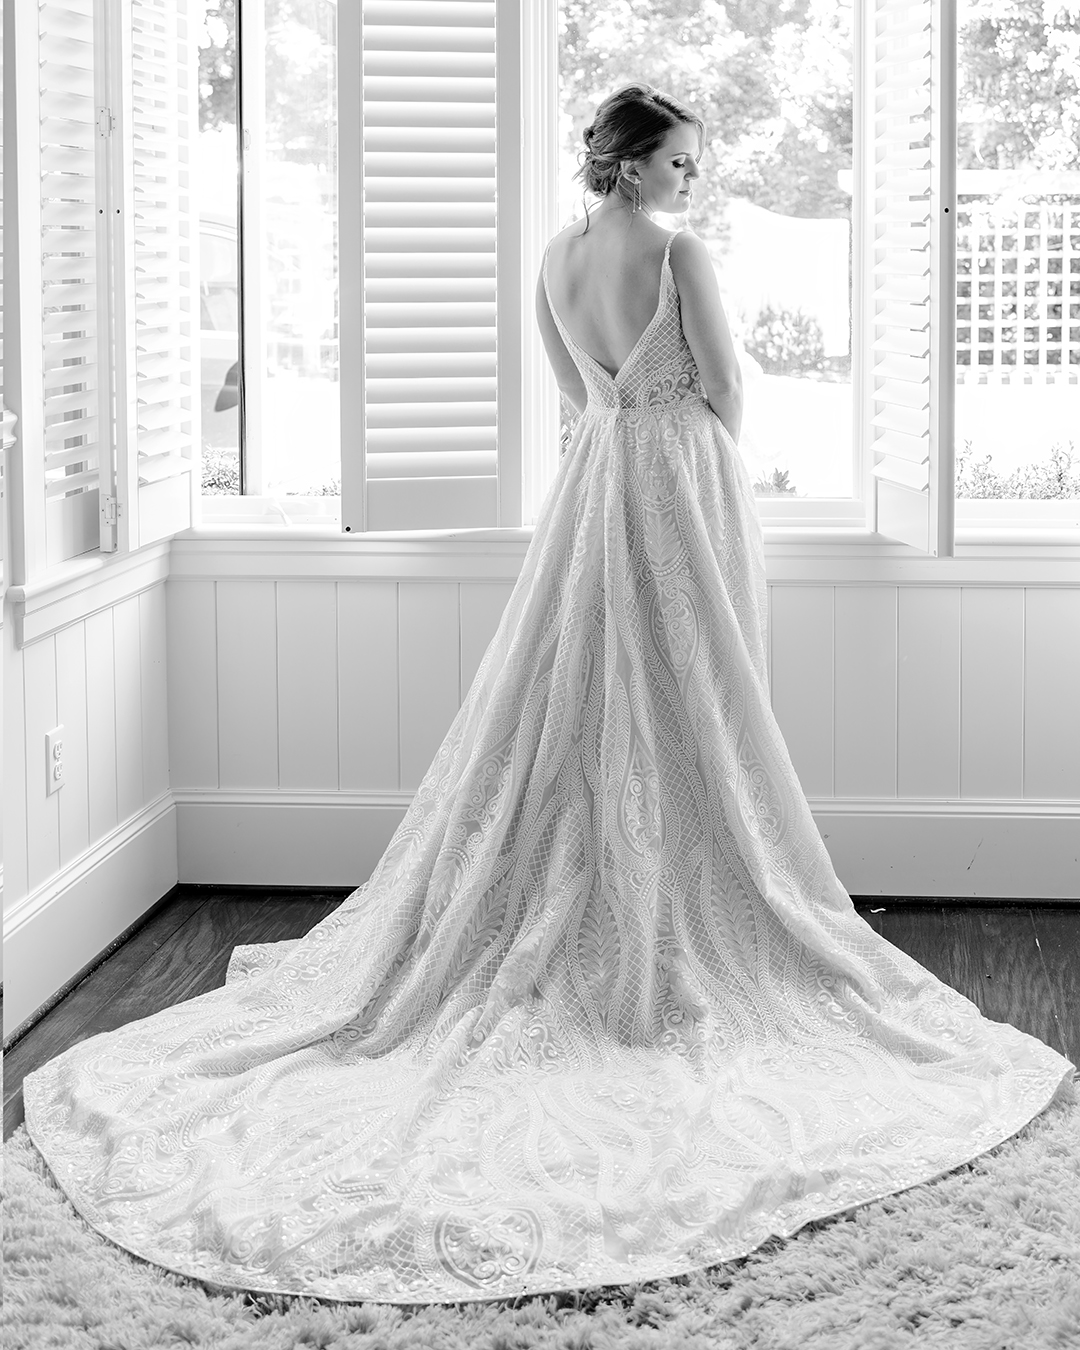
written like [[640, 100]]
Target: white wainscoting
[[935, 726], [87, 861]]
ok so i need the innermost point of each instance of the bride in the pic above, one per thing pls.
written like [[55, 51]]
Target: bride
[[603, 1012]]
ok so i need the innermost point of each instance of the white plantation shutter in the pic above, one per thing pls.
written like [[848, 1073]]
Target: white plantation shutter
[[159, 366], [74, 315], [429, 198], [116, 101], [908, 125]]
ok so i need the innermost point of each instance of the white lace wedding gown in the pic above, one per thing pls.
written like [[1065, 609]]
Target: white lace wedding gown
[[603, 1012]]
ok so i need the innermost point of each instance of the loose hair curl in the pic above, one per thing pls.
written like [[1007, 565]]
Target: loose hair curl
[[631, 123]]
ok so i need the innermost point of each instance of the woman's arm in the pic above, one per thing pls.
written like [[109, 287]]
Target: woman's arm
[[706, 329], [567, 375]]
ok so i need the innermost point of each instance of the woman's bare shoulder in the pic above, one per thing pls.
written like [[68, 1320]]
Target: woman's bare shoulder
[[688, 252], [692, 265], [574, 230]]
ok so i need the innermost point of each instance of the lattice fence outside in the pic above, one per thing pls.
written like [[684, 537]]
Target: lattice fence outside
[[1018, 291]]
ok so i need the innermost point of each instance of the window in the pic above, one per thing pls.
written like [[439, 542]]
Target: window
[[774, 86], [216, 153], [269, 247], [1018, 258]]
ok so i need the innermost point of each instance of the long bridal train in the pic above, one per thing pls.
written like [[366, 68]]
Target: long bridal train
[[603, 1012]]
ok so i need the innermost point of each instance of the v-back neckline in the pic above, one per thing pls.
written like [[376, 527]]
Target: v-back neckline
[[665, 267]]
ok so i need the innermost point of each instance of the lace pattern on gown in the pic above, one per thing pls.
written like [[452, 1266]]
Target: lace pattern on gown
[[603, 1011]]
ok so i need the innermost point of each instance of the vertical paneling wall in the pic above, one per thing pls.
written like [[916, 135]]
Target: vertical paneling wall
[[103, 678], [313, 685], [929, 692], [883, 691]]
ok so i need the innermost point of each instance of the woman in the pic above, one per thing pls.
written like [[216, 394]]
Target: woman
[[603, 1012]]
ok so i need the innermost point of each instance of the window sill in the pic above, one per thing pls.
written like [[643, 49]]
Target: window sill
[[1004, 539], [1039, 528]]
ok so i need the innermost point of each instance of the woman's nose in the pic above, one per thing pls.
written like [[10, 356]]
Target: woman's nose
[[692, 171]]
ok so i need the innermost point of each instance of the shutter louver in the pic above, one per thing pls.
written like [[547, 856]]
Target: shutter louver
[[429, 190], [909, 142], [75, 352], [164, 381]]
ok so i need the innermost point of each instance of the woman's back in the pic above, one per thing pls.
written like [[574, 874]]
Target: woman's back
[[604, 283]]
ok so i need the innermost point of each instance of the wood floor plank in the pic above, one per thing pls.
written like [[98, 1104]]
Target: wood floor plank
[[994, 955], [870, 910], [59, 1027], [191, 962], [919, 930], [986, 953], [1057, 933], [198, 957]]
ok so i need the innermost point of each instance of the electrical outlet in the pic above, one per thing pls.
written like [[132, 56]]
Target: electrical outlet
[[54, 760]]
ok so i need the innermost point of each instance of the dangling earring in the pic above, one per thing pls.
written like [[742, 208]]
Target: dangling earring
[[635, 201]]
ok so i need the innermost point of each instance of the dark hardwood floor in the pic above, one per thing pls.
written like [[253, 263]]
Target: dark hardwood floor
[[1018, 962]]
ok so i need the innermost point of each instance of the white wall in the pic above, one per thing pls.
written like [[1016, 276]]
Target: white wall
[[934, 723], [84, 863]]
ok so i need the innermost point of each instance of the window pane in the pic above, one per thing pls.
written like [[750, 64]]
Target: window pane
[[1018, 252], [216, 175], [297, 268], [773, 83]]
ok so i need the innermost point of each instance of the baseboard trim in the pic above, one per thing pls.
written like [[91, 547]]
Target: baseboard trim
[[953, 809], [60, 930], [964, 850], [287, 839], [1026, 850]]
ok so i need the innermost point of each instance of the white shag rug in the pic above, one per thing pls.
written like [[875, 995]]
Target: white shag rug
[[985, 1258]]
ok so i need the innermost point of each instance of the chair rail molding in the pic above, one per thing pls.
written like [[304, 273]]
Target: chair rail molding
[[78, 589], [469, 555]]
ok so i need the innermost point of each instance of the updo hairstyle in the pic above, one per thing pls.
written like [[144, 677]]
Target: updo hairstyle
[[630, 123]]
